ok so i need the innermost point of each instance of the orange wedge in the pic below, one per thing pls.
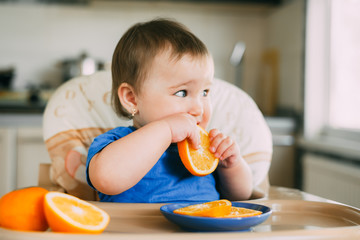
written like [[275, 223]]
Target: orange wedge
[[66, 213], [216, 208], [239, 212], [199, 162]]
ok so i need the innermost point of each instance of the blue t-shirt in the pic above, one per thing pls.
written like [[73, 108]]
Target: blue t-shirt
[[167, 181]]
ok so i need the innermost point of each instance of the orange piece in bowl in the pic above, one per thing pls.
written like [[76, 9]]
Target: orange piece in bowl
[[216, 208], [239, 212], [199, 162]]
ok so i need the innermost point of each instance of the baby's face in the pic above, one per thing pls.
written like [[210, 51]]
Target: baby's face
[[176, 86]]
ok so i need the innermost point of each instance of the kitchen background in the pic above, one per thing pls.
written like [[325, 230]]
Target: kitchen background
[[36, 38], [42, 41]]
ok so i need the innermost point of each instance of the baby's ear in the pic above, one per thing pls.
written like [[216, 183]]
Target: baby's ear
[[127, 97]]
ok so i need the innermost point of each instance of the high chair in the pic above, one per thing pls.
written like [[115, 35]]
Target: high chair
[[80, 110]]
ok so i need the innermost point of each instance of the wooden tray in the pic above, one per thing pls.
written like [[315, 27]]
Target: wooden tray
[[290, 218]]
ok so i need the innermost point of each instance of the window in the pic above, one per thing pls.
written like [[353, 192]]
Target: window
[[344, 86], [332, 71]]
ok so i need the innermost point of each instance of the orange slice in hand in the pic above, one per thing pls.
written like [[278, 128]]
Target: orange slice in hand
[[216, 208], [66, 213], [199, 162], [239, 212]]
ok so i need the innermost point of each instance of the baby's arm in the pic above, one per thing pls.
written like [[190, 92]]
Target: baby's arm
[[235, 177], [123, 163]]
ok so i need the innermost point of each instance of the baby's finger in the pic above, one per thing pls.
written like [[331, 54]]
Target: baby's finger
[[216, 141], [213, 133], [224, 149]]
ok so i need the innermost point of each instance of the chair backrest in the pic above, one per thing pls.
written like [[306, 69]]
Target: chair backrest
[[80, 110]]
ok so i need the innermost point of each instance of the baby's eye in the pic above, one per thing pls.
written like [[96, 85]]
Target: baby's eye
[[181, 93], [206, 92]]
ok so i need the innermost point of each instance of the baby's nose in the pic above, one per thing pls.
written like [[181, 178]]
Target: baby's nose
[[196, 108]]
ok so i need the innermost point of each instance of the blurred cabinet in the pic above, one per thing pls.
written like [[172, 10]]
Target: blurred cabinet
[[22, 150], [282, 167], [331, 177], [31, 151], [7, 160]]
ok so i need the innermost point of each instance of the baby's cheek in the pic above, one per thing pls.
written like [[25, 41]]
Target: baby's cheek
[[206, 116]]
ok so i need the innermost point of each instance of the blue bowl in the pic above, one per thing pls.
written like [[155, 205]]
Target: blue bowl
[[209, 224]]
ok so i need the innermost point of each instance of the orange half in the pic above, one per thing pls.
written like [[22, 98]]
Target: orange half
[[216, 208], [199, 162], [67, 213], [23, 209]]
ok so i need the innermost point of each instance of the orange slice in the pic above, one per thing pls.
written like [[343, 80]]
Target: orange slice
[[239, 212], [199, 162], [216, 208], [66, 213]]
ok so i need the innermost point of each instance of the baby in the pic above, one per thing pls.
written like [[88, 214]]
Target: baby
[[162, 76]]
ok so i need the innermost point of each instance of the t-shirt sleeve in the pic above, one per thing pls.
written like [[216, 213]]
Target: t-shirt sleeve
[[101, 141]]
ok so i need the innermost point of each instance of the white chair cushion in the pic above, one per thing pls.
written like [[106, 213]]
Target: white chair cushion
[[80, 110]]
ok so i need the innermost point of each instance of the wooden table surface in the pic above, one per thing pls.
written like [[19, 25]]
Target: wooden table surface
[[296, 215]]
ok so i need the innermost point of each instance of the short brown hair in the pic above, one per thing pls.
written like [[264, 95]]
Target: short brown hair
[[138, 47]]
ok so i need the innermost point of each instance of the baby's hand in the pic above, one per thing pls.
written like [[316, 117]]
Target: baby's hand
[[224, 148], [183, 126]]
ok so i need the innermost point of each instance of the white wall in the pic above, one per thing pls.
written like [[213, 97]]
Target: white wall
[[34, 38]]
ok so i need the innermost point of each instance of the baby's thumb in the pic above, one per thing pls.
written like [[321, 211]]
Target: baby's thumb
[[194, 139]]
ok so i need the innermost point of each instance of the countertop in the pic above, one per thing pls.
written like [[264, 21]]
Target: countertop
[[24, 102]]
